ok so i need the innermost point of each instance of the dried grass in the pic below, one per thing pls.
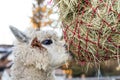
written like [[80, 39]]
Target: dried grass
[[92, 28]]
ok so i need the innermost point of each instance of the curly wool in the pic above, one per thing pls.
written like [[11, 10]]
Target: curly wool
[[33, 63]]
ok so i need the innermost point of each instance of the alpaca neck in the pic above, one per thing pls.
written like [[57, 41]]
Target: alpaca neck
[[31, 73]]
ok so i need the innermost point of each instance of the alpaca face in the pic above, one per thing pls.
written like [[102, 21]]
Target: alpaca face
[[43, 48], [55, 46]]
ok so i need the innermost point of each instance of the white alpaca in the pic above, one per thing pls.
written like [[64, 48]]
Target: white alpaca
[[37, 54]]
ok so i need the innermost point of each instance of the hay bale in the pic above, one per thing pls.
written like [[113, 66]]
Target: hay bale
[[92, 28]]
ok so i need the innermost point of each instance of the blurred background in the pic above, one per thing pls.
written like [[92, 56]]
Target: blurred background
[[25, 13]]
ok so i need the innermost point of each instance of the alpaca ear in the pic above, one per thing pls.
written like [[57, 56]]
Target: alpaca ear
[[20, 36]]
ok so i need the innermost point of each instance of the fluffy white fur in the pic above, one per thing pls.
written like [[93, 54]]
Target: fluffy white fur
[[31, 63]]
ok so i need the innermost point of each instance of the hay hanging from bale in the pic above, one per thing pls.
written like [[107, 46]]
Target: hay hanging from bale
[[91, 28]]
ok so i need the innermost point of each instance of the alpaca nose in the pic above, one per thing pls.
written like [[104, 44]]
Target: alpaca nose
[[71, 54], [66, 47]]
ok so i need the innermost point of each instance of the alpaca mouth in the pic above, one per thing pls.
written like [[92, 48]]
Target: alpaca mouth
[[71, 55], [61, 64]]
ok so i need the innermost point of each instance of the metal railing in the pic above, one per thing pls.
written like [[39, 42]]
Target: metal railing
[[97, 78]]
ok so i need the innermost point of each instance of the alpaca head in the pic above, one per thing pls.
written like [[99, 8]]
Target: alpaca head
[[42, 49]]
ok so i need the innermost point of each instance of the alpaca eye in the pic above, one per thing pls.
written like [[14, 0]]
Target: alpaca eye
[[47, 42]]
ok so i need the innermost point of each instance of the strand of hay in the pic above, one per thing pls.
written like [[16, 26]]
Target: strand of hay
[[92, 28]]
